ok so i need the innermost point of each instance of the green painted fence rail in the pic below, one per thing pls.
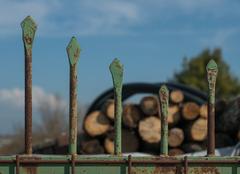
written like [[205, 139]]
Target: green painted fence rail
[[118, 163]]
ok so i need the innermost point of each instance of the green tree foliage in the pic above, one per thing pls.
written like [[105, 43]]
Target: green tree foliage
[[193, 73]]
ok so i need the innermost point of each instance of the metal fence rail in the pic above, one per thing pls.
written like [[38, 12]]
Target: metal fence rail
[[118, 163]]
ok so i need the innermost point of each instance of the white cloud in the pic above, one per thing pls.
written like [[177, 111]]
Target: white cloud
[[15, 97]]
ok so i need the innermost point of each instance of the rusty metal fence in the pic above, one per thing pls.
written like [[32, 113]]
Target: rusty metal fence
[[118, 163]]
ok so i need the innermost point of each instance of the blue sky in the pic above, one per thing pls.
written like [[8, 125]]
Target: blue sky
[[150, 38]]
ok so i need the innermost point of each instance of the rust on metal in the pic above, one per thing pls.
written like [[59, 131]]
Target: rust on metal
[[163, 98], [17, 164], [28, 29], [73, 51], [205, 170], [73, 163], [212, 71], [185, 165], [129, 164]]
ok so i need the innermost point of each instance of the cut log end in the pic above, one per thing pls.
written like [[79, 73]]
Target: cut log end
[[130, 142], [198, 130], [176, 96], [149, 105], [204, 111], [131, 115], [175, 137], [96, 124], [150, 129], [108, 109], [91, 147], [190, 111], [173, 115]]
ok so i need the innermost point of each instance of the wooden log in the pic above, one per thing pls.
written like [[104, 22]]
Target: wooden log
[[175, 152], [176, 96], [230, 118], [130, 142], [198, 130], [173, 115], [190, 111], [175, 137], [96, 123], [91, 147], [204, 111], [131, 115], [108, 109], [149, 105], [192, 147], [150, 129]]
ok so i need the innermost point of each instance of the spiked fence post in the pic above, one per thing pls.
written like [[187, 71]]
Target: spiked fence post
[[116, 69], [212, 71], [73, 51], [29, 28], [164, 100]]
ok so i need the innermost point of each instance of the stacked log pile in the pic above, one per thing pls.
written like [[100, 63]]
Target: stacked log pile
[[141, 126]]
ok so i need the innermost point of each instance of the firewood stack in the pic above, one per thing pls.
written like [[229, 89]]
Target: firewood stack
[[141, 127]]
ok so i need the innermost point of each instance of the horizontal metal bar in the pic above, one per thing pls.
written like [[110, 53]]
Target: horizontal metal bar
[[162, 161]]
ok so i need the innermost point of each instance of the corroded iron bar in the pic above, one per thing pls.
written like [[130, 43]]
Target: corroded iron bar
[[163, 160], [212, 71], [116, 69], [28, 32], [164, 100], [73, 51]]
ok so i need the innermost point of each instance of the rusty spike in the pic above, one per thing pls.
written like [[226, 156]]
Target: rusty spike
[[212, 71], [116, 69], [73, 51], [164, 100], [29, 28]]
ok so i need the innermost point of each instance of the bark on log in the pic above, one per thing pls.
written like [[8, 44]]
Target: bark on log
[[176, 96], [150, 129], [149, 105], [175, 152], [131, 115], [96, 123], [175, 137], [108, 109], [190, 111]]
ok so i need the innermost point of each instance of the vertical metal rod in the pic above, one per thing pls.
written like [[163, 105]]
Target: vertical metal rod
[[164, 100], [28, 29], [17, 164], [212, 71], [73, 160], [73, 51], [116, 69], [185, 165], [129, 164]]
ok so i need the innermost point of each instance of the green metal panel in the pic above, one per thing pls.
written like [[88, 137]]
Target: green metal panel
[[90, 165]]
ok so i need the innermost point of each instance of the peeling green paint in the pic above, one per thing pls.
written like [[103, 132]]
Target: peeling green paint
[[164, 100], [116, 69]]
